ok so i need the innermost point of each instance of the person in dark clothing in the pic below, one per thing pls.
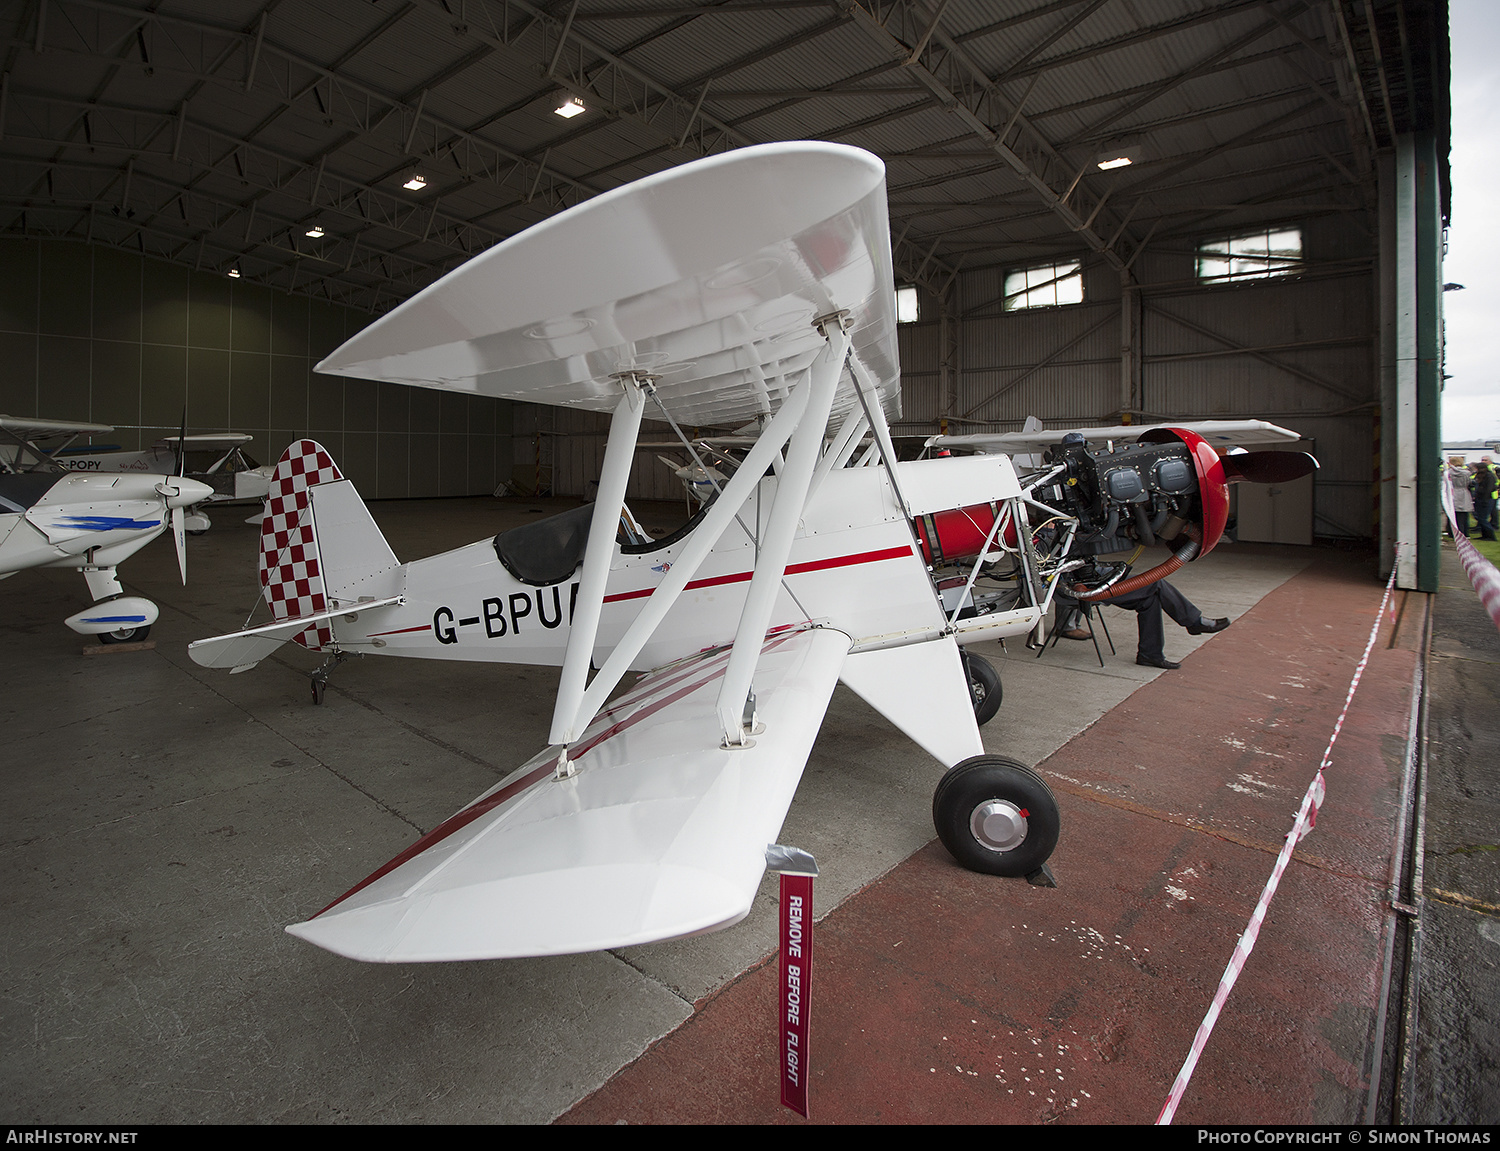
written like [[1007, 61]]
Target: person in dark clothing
[[1149, 603], [1484, 487]]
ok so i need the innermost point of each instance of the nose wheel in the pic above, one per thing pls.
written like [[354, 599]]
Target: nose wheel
[[125, 634], [996, 816]]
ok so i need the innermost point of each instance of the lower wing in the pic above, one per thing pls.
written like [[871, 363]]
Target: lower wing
[[658, 833]]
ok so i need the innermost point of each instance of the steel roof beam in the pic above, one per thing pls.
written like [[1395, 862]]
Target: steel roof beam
[[1202, 67], [1244, 139], [341, 87], [1212, 14], [1244, 61], [964, 90], [177, 245], [277, 174]]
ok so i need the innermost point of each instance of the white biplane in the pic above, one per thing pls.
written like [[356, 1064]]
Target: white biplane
[[754, 287], [51, 517]]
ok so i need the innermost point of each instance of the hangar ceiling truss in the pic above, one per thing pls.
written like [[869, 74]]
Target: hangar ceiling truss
[[220, 133]]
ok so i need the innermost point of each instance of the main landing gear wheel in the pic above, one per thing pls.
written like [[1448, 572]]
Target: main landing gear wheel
[[125, 634], [996, 816], [984, 684]]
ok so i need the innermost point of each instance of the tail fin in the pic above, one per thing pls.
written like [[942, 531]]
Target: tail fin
[[302, 569]]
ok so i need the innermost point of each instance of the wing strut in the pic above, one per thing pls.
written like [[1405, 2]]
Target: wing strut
[[619, 452], [719, 516], [840, 449], [776, 541]]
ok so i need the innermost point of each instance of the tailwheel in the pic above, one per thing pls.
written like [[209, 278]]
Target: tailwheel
[[996, 816], [984, 686], [125, 634]]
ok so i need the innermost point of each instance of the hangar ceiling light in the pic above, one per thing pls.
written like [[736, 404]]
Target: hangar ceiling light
[[1223, 133]]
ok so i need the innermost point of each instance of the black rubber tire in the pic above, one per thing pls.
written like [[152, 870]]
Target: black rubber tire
[[984, 685], [317, 690], [974, 782], [203, 532], [125, 634]]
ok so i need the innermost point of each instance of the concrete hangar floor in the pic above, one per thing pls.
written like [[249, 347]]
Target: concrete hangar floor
[[164, 823]]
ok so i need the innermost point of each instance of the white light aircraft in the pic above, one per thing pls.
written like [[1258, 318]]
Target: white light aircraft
[[216, 459], [50, 517], [750, 287]]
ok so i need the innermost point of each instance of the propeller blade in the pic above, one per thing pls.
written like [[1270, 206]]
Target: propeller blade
[[1268, 467], [180, 535], [182, 453]]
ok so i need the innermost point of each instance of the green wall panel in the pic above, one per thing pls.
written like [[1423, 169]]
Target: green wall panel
[[105, 335]]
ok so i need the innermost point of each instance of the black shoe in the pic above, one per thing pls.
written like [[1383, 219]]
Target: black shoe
[[1207, 626], [1156, 661]]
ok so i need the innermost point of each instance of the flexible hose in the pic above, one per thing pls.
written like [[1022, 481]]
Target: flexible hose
[[1161, 571]]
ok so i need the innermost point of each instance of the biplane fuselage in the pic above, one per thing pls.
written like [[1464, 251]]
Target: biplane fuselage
[[855, 566]]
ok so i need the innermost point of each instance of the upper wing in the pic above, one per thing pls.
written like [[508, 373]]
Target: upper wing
[[1216, 432], [708, 277], [45, 429], [207, 441], [659, 833]]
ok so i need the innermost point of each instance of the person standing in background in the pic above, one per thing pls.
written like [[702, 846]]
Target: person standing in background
[[1463, 500], [1485, 495]]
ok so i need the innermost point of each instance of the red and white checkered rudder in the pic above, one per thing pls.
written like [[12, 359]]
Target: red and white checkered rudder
[[291, 570]]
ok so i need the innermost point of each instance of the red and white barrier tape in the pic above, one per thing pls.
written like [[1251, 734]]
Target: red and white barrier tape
[[1482, 574], [1307, 816]]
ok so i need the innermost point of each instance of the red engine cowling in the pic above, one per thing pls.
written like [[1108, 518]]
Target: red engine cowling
[[959, 534], [1213, 487]]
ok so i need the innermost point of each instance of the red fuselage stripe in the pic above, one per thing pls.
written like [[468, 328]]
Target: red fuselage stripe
[[792, 569], [480, 807]]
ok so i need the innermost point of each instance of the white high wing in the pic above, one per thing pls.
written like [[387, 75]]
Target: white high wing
[[754, 287]]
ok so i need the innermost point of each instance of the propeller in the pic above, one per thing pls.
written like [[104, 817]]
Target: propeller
[[1268, 467], [179, 514]]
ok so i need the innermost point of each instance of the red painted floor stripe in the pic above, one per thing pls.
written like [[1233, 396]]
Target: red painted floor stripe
[[946, 996]]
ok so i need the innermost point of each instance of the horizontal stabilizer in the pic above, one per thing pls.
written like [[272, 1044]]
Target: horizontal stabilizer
[[242, 650], [659, 833], [922, 689]]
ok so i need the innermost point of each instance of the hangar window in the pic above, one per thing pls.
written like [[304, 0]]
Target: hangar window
[[1258, 256], [907, 311], [1045, 286]]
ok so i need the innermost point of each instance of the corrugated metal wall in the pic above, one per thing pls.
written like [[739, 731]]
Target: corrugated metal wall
[[96, 334], [1299, 351], [565, 447]]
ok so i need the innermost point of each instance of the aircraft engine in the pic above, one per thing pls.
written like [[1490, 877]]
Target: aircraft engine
[[1170, 486]]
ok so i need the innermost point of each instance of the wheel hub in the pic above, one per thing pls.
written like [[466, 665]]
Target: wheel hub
[[999, 825]]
